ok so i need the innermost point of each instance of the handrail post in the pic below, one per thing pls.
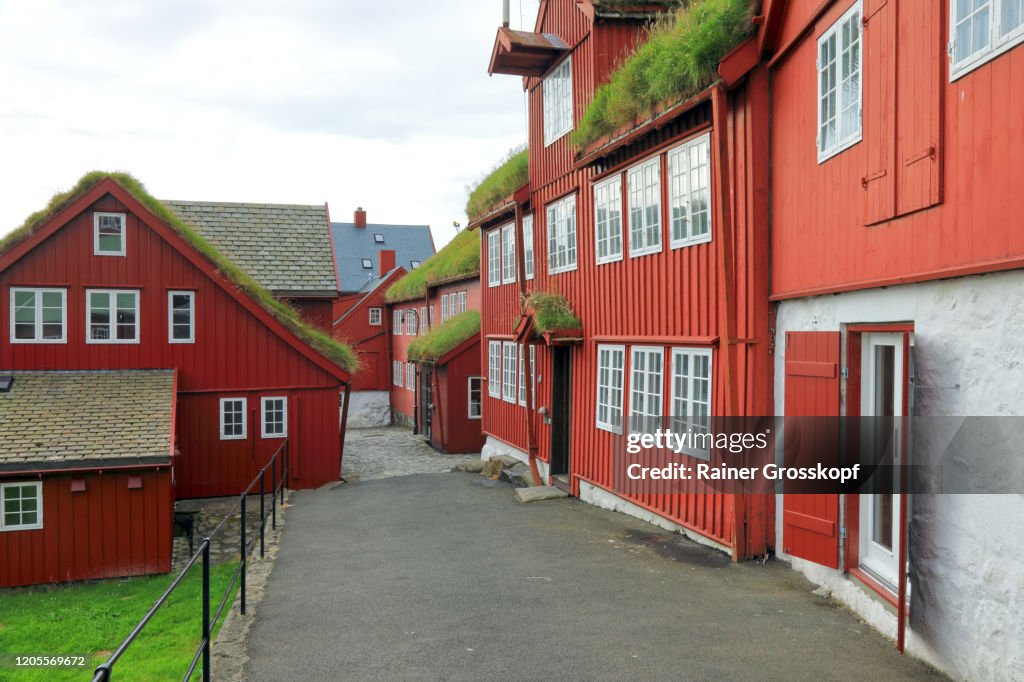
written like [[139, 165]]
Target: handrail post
[[242, 551], [263, 518], [273, 492], [206, 610], [283, 461]]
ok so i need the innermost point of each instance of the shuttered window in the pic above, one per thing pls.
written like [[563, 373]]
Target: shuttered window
[[644, 183], [839, 85], [608, 219]]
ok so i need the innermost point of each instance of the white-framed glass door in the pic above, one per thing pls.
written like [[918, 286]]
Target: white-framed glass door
[[882, 397]]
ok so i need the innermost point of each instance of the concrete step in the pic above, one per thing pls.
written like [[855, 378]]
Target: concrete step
[[540, 493]]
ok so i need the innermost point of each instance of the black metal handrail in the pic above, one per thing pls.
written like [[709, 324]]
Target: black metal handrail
[[279, 467]]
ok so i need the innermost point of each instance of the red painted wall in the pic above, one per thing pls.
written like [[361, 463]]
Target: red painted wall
[[452, 429], [107, 531], [317, 311], [369, 341]]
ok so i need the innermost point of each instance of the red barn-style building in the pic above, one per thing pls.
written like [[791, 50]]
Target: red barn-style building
[[110, 280]]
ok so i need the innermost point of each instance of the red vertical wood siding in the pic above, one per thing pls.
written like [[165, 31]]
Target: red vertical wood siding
[[456, 432], [370, 342], [107, 531]]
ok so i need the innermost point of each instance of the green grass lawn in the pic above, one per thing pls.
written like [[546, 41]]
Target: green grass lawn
[[92, 619]]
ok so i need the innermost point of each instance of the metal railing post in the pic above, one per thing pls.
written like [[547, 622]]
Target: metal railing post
[[273, 492], [243, 558], [284, 470], [206, 610], [263, 518]]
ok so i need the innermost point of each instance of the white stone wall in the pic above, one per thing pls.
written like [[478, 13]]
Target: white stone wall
[[369, 409], [495, 447], [966, 552]]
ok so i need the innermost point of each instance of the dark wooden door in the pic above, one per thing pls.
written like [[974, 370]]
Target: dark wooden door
[[561, 409]]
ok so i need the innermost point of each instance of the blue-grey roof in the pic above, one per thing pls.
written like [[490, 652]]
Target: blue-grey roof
[[352, 244]]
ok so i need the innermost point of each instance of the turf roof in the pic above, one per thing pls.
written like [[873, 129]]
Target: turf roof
[[338, 353], [678, 59], [508, 176], [459, 258], [440, 341], [551, 311]]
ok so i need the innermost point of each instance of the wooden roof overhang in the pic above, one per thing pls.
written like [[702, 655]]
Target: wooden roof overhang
[[622, 9], [522, 53]]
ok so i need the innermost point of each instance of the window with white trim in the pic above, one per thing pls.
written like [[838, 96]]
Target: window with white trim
[[423, 320], [275, 417], [508, 375], [397, 372], [108, 234], [396, 322], [494, 369], [494, 258], [430, 316], [611, 374], [644, 185], [689, 192], [522, 377], [690, 405], [475, 397], [181, 316], [38, 315], [646, 381], [462, 302], [533, 375], [508, 254], [444, 308], [410, 376], [528, 246], [608, 219], [557, 93], [982, 29], [22, 506], [232, 419], [562, 235], [839, 85], [410, 322], [113, 316], [375, 317]]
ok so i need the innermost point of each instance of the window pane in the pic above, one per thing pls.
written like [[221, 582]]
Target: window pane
[[1011, 16]]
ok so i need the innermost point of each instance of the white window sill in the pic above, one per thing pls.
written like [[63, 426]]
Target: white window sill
[[111, 342], [825, 156], [647, 251], [562, 270], [11, 529], [233, 438], [610, 259], [692, 241], [556, 137], [958, 71], [47, 342], [609, 428]]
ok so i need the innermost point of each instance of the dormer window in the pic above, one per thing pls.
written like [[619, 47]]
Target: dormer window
[[379, 238], [108, 234], [415, 264], [367, 264]]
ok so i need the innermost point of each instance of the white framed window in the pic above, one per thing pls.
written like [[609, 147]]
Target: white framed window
[[367, 264], [558, 114], [509, 369], [375, 317], [839, 85], [533, 375], [689, 192], [181, 317], [396, 322], [232, 419], [444, 308], [494, 369], [113, 316], [562, 235], [494, 258], [508, 254], [611, 375], [644, 184], [397, 372], [410, 322], [690, 404], [423, 320], [21, 505], [475, 397], [108, 234], [608, 219], [646, 385], [528, 246], [462, 302], [430, 316], [980, 30], [378, 238], [39, 315], [410, 376], [522, 377], [275, 417]]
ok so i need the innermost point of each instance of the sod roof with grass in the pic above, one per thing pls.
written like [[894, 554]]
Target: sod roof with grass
[[460, 258], [508, 176], [551, 312], [338, 353], [678, 59], [442, 340]]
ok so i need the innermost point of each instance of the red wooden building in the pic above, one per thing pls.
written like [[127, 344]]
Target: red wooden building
[[897, 130], [110, 279], [657, 238]]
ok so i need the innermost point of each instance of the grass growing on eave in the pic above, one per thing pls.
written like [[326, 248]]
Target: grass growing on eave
[[552, 311], [339, 353], [508, 176], [679, 58], [441, 340], [459, 258]]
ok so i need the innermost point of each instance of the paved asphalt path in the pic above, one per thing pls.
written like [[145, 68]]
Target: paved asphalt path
[[446, 576]]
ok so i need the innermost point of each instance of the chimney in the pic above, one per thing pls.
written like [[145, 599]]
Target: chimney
[[387, 260], [359, 217], [505, 13]]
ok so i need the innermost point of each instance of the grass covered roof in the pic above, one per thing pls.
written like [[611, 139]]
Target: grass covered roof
[[440, 341], [678, 59], [508, 176], [339, 353], [551, 311], [459, 258]]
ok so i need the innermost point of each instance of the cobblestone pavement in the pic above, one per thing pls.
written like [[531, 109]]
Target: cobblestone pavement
[[393, 451]]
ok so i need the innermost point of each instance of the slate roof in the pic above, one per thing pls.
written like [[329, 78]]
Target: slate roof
[[67, 419], [352, 244], [284, 247]]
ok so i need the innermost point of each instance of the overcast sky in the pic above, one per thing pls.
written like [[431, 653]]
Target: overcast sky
[[383, 105]]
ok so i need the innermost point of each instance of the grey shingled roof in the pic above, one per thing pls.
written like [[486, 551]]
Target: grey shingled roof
[[284, 247], [352, 244], [64, 419]]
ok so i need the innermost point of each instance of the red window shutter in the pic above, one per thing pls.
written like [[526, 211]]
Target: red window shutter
[[811, 522], [919, 55], [878, 88]]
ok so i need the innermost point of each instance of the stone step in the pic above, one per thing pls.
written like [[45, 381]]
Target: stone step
[[540, 493]]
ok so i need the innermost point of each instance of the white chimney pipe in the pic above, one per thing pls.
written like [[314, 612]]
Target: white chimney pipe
[[505, 11]]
